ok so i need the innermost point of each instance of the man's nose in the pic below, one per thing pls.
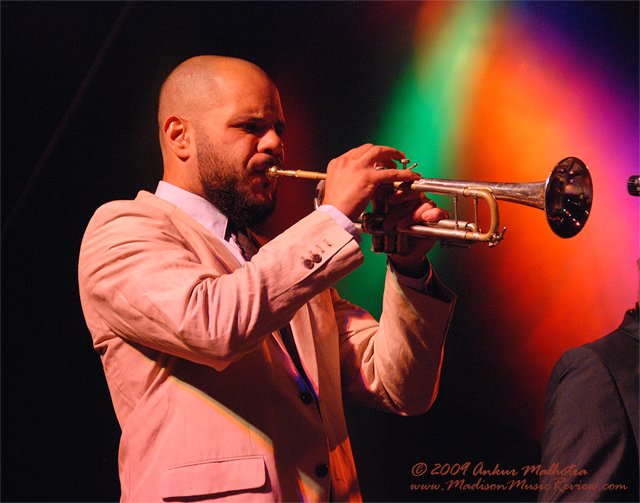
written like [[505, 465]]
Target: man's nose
[[271, 142]]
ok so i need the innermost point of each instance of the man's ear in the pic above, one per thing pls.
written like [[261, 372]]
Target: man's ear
[[178, 136]]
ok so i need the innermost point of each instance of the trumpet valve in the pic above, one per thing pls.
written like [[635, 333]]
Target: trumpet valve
[[404, 163]]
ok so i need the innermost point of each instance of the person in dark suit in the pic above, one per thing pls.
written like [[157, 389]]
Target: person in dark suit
[[590, 441]]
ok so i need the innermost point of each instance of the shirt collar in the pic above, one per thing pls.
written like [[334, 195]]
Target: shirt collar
[[198, 208]]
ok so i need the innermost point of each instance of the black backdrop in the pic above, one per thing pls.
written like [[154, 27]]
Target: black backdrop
[[79, 85]]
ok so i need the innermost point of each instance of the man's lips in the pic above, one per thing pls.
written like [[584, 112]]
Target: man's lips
[[261, 170], [265, 165], [259, 173]]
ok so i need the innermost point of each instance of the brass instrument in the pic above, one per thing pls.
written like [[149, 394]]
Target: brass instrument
[[565, 197]]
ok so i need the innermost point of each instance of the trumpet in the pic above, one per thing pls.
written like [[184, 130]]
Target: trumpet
[[565, 197]]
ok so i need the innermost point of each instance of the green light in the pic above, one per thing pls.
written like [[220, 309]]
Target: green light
[[424, 118], [425, 114]]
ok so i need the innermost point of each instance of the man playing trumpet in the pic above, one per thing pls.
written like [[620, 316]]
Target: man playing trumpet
[[228, 356]]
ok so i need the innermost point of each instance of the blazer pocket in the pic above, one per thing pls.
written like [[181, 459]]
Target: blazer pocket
[[213, 477]]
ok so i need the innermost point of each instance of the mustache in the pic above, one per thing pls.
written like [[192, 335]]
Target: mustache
[[276, 161]]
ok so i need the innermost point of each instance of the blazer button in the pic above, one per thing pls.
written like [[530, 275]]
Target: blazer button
[[306, 397], [322, 470], [308, 263], [316, 258]]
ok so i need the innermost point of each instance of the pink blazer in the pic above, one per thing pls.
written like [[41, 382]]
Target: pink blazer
[[209, 402]]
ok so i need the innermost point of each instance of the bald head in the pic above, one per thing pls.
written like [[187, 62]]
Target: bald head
[[194, 86]]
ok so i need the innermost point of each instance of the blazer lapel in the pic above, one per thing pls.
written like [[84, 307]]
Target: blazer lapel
[[220, 251]]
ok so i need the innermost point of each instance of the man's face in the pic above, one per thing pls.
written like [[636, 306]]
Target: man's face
[[237, 141]]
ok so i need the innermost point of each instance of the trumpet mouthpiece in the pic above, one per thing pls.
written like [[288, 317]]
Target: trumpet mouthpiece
[[271, 172]]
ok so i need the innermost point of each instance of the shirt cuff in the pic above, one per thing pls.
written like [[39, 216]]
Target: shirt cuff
[[342, 220], [422, 285]]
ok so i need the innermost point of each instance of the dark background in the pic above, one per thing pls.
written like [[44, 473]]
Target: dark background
[[79, 87]]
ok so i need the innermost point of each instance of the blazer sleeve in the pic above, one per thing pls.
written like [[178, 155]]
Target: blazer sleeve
[[150, 277], [395, 366]]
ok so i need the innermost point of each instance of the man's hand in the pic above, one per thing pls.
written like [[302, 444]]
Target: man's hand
[[352, 178], [410, 207]]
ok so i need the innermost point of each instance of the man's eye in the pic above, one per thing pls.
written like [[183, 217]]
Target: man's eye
[[258, 129], [251, 127]]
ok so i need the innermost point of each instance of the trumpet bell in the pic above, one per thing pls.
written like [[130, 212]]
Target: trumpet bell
[[568, 197]]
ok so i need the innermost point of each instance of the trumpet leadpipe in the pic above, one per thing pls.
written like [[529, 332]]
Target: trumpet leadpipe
[[274, 172]]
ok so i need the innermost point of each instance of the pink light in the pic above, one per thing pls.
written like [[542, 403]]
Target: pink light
[[539, 99]]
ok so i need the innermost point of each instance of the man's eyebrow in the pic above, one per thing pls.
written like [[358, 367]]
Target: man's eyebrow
[[247, 117], [250, 118]]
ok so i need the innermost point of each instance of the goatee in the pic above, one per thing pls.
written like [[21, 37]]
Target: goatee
[[225, 188]]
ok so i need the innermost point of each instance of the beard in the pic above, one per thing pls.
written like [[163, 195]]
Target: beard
[[229, 189]]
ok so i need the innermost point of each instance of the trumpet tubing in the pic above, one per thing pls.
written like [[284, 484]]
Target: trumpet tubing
[[565, 197]]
